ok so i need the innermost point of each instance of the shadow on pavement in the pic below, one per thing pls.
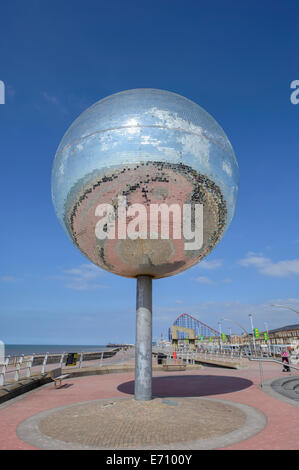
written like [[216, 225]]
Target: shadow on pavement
[[190, 385], [64, 386]]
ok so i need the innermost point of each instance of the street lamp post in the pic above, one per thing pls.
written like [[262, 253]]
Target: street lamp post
[[285, 306], [268, 339], [238, 324], [253, 338], [242, 327], [219, 323]]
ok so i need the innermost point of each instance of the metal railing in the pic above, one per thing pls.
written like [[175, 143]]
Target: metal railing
[[15, 368], [290, 366], [17, 364], [191, 356], [217, 354]]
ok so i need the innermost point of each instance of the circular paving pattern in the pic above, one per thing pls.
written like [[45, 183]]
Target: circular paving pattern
[[196, 423]]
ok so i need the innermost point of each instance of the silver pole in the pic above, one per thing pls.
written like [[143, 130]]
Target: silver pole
[[253, 338], [219, 323], [268, 349], [261, 373], [143, 349]]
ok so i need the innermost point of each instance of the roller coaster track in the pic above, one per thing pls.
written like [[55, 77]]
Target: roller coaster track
[[188, 321]]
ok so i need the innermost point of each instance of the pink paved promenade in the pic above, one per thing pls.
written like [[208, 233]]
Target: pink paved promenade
[[239, 386]]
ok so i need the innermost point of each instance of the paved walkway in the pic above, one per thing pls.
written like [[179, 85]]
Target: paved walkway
[[240, 387]]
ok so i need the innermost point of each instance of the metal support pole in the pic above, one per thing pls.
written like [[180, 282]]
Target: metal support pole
[[102, 356], [3, 371], [81, 360], [44, 363], [268, 340], [29, 365], [253, 338], [143, 349], [219, 323], [61, 360], [261, 373]]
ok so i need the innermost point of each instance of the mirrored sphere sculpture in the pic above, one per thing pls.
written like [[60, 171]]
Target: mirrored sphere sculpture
[[144, 146]]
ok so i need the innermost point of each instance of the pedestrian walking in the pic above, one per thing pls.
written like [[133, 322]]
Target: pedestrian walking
[[285, 360]]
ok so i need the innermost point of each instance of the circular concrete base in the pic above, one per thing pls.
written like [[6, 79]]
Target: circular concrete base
[[169, 423]]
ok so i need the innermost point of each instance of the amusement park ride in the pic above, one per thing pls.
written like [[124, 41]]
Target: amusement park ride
[[191, 330]]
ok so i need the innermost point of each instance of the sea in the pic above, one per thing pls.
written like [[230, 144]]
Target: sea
[[28, 349]]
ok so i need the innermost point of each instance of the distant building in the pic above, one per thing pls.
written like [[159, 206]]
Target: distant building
[[288, 334], [285, 335]]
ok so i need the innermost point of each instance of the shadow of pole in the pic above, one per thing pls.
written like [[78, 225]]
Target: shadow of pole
[[191, 385]]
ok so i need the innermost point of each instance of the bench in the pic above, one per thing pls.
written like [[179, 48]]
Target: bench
[[57, 376], [174, 366]]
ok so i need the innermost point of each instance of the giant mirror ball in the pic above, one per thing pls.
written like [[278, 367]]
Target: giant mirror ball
[[150, 147]]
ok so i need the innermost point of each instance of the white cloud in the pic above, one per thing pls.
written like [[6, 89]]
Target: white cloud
[[207, 280], [204, 280], [227, 168], [210, 266], [83, 285], [214, 264], [84, 271], [10, 91], [267, 267], [10, 279], [196, 141], [54, 101], [197, 146], [49, 98], [84, 277]]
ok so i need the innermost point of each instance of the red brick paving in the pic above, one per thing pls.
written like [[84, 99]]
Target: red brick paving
[[240, 386]]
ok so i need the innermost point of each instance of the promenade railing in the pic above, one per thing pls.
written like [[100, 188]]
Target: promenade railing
[[17, 367], [217, 354], [281, 363], [191, 356]]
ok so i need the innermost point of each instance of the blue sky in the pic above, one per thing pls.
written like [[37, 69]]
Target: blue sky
[[236, 60]]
